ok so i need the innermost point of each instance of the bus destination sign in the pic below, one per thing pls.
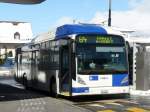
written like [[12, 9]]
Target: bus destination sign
[[104, 40], [99, 39]]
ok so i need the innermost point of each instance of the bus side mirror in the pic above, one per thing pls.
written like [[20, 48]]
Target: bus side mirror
[[73, 47], [127, 47]]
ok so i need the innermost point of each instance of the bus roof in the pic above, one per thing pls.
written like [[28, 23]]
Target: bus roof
[[70, 29]]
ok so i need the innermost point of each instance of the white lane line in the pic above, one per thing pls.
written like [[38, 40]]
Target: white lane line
[[117, 104], [126, 101], [96, 105]]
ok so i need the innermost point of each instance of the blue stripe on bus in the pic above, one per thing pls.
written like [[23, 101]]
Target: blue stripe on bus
[[93, 78], [80, 90], [120, 80]]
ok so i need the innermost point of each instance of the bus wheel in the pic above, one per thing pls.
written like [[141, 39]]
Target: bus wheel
[[53, 88], [26, 85], [25, 82]]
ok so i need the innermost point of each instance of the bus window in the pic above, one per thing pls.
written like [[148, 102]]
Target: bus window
[[47, 44], [43, 45]]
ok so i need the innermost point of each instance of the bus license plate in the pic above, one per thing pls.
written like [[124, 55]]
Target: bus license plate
[[104, 91]]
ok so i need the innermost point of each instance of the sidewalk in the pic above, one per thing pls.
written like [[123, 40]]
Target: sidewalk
[[140, 92]]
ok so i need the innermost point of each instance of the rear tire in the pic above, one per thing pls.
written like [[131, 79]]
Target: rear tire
[[53, 89], [25, 82]]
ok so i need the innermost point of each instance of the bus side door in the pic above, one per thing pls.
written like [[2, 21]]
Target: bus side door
[[64, 70]]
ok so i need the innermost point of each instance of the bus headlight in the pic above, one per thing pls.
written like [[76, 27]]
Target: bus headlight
[[81, 81]]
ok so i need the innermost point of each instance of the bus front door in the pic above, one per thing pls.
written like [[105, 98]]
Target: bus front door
[[64, 71], [33, 68]]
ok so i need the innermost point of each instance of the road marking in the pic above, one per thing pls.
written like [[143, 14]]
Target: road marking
[[117, 104], [135, 109], [96, 105], [106, 111], [110, 101], [126, 101]]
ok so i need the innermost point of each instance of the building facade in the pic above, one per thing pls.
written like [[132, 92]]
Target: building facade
[[12, 35]]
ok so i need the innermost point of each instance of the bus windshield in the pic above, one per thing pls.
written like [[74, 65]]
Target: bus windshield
[[101, 59]]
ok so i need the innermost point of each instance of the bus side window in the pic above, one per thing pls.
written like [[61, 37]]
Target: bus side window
[[43, 45], [47, 44], [56, 56], [43, 56]]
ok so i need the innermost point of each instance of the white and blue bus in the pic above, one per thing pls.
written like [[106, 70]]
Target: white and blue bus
[[81, 59]]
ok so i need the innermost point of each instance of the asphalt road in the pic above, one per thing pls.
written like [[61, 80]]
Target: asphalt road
[[113, 104], [14, 98]]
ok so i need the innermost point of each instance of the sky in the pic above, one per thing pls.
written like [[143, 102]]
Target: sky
[[130, 14]]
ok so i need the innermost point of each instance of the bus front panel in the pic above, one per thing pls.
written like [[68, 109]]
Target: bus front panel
[[101, 65]]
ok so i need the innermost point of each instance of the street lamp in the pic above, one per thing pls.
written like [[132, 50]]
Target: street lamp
[[109, 16]]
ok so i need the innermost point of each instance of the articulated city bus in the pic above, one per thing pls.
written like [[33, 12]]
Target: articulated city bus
[[80, 59]]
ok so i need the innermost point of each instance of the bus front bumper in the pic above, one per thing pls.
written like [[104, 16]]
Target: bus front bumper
[[79, 91]]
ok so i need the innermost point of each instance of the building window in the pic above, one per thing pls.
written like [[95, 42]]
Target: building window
[[17, 35]]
